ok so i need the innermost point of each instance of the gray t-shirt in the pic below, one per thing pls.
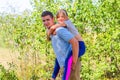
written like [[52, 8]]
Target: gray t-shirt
[[71, 27], [61, 45]]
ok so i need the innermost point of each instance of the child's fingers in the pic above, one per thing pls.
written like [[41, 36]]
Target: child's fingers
[[54, 33]]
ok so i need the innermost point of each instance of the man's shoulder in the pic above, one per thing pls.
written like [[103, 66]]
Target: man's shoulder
[[61, 28]]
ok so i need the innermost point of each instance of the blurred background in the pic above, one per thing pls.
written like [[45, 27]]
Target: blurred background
[[25, 54]]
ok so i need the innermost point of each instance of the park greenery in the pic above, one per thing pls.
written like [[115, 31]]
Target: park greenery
[[97, 22]]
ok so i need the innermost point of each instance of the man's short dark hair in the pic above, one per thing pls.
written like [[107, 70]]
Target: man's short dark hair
[[46, 13]]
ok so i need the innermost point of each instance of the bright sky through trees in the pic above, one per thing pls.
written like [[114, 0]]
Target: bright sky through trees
[[13, 6], [17, 6]]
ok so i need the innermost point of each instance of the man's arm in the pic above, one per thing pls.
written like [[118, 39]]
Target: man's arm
[[69, 37], [75, 49]]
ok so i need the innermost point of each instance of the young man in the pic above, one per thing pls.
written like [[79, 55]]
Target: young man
[[63, 43]]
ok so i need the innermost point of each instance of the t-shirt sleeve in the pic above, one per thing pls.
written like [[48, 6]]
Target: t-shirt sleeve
[[64, 34], [71, 27]]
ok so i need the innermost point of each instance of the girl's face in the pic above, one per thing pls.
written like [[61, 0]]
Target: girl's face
[[61, 18]]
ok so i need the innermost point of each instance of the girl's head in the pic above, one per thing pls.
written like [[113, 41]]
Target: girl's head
[[61, 15]]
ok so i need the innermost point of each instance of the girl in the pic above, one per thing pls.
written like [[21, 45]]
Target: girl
[[63, 20]]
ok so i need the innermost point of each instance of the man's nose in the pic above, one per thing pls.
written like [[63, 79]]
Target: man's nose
[[45, 22]]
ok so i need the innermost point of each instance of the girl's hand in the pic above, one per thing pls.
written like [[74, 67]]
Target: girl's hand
[[54, 33], [52, 30]]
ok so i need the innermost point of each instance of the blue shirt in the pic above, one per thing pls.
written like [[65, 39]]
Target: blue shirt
[[61, 45]]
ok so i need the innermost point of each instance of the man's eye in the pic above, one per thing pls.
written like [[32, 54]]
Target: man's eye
[[48, 19]]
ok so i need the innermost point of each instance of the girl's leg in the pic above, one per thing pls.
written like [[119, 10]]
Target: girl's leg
[[68, 67], [82, 48], [56, 69]]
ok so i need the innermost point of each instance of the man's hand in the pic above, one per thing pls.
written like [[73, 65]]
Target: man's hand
[[52, 79], [73, 66], [75, 49]]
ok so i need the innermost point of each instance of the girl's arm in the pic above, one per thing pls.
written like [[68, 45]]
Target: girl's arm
[[54, 27], [60, 24]]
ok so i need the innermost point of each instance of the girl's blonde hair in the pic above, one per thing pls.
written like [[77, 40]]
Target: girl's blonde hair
[[64, 12]]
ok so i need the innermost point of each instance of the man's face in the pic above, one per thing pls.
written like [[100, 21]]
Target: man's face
[[48, 21]]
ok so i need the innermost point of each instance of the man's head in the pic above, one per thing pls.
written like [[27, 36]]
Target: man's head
[[48, 19]]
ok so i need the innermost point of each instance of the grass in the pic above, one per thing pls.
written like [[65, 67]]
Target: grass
[[7, 56]]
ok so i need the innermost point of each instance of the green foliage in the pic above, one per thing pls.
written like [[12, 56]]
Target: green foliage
[[7, 74], [98, 24]]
